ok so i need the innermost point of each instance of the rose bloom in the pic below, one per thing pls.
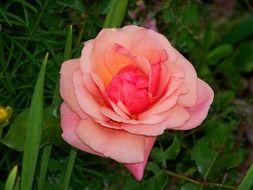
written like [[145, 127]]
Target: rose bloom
[[128, 86]]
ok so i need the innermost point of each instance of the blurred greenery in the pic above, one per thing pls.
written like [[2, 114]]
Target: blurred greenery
[[215, 35]]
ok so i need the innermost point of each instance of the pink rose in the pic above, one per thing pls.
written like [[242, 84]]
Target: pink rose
[[129, 85]]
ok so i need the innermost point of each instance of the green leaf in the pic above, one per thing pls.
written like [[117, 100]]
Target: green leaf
[[33, 131], [209, 37], [15, 138], [157, 154], [191, 186], [219, 53], [240, 31], [173, 150], [191, 15], [159, 181], [116, 14], [207, 149], [247, 181], [10, 183], [244, 58], [153, 167]]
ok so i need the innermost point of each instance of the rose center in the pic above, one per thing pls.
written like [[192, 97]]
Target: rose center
[[130, 86]]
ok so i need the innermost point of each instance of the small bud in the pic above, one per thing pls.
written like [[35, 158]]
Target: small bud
[[5, 114]]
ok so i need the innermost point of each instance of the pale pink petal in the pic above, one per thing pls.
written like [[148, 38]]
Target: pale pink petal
[[152, 119], [159, 107], [69, 121], [86, 101], [149, 48], [175, 117], [190, 80], [67, 87], [175, 70], [119, 111], [154, 78], [92, 59], [93, 88], [123, 107], [172, 54], [167, 101], [138, 169], [200, 110], [175, 57], [134, 33], [168, 72], [116, 57], [143, 64], [116, 144]]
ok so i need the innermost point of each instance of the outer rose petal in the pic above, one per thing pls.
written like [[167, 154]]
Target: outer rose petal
[[69, 121], [175, 57], [138, 169], [147, 46], [86, 101], [176, 117], [190, 80], [92, 59], [199, 111], [116, 144], [66, 85], [116, 57]]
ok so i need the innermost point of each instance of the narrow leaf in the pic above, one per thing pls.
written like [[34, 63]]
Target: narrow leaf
[[69, 169], [219, 53], [10, 183], [247, 181], [116, 13], [34, 130], [68, 45]]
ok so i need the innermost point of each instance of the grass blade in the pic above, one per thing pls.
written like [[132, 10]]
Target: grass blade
[[43, 166], [56, 101], [55, 105], [247, 181], [33, 133], [116, 14], [10, 183], [70, 166], [68, 45]]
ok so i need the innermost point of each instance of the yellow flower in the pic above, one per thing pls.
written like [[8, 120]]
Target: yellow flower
[[5, 114]]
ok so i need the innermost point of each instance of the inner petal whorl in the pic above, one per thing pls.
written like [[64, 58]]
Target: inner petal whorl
[[130, 86]]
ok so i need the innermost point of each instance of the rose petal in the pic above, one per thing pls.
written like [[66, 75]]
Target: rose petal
[[190, 80], [86, 101], [118, 145], [172, 54], [66, 85], [174, 117], [93, 52], [152, 119], [199, 111], [138, 169], [154, 78], [149, 48], [69, 121], [143, 64], [166, 102], [116, 57]]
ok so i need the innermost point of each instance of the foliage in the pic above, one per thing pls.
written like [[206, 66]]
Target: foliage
[[216, 36]]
